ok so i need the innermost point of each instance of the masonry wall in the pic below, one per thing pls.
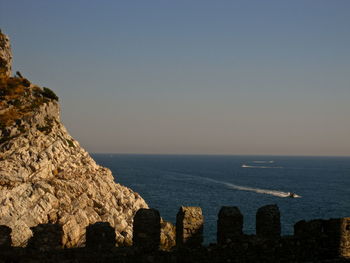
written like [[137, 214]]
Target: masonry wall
[[313, 241]]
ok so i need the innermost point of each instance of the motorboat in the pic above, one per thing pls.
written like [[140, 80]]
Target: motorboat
[[291, 195]]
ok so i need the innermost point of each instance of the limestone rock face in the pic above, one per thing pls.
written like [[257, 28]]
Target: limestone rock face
[[167, 235], [47, 177], [5, 56]]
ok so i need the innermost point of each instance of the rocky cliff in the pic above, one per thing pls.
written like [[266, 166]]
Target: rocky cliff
[[46, 176], [5, 56]]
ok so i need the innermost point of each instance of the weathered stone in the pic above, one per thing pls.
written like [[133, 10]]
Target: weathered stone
[[46, 237], [189, 227], [100, 236], [5, 237], [45, 176], [324, 238], [5, 56], [344, 246], [146, 230], [310, 229], [229, 224], [167, 235], [268, 224]]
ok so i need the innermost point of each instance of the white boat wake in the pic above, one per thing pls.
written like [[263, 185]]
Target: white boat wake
[[261, 167], [252, 189], [262, 191], [243, 188]]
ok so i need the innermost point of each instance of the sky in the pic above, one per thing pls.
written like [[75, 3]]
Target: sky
[[191, 76]]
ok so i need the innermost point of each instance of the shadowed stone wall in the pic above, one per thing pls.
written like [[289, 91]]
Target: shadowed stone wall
[[5, 237], [268, 224], [324, 238], [229, 225], [46, 237], [100, 236], [146, 230]]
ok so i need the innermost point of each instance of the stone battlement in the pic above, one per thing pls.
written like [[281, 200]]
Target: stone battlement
[[313, 241]]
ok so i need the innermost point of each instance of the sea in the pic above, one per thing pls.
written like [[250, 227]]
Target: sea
[[321, 185]]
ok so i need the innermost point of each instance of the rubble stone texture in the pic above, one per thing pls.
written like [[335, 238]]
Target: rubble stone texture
[[100, 236], [167, 235], [344, 237], [147, 229], [5, 56], [46, 237], [229, 224], [268, 223], [189, 227]]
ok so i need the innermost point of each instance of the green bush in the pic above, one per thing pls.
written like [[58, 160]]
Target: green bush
[[49, 94], [26, 83], [70, 143]]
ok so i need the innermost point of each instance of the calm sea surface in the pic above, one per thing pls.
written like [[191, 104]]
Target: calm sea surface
[[167, 182]]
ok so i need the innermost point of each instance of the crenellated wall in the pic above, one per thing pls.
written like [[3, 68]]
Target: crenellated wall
[[313, 241]]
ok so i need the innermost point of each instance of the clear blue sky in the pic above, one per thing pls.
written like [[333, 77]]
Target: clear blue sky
[[191, 76]]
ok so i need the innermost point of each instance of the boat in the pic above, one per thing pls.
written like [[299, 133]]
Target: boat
[[291, 195]]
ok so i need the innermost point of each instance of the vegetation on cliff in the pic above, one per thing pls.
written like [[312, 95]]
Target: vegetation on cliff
[[19, 99]]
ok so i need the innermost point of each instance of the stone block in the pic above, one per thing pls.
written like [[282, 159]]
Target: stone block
[[268, 224], [189, 227], [100, 236], [5, 236], [46, 237], [146, 229], [229, 224]]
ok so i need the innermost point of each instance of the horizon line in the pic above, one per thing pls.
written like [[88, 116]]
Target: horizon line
[[218, 154]]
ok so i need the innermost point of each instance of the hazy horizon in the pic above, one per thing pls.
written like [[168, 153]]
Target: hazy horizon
[[191, 77], [219, 154]]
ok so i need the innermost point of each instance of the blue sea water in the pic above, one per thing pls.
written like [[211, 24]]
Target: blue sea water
[[167, 182]]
